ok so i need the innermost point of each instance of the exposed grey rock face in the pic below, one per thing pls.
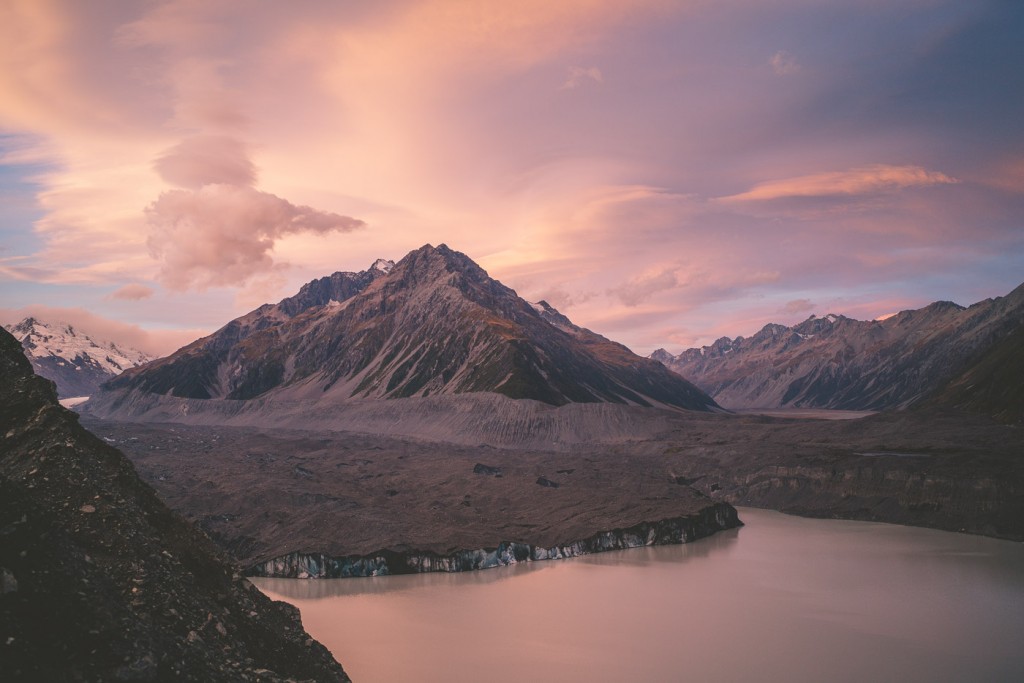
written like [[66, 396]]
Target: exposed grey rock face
[[434, 324], [300, 565], [840, 363]]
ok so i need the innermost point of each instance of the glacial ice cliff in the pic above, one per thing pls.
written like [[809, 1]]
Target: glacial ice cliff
[[313, 565]]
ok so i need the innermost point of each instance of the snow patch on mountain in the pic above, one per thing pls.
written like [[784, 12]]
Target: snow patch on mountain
[[75, 361], [63, 341], [383, 265]]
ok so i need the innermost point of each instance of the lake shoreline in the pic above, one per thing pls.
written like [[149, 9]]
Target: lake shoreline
[[673, 531], [787, 598]]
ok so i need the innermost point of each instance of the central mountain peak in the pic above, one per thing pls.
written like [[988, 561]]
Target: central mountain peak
[[433, 323]]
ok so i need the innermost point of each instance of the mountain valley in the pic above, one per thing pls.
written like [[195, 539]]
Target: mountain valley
[[362, 399], [419, 416]]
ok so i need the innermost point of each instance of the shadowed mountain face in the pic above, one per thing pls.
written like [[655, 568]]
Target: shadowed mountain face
[[836, 362], [993, 385], [100, 581], [434, 323]]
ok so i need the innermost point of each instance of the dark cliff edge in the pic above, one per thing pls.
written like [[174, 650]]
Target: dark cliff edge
[[948, 470], [100, 581], [309, 565]]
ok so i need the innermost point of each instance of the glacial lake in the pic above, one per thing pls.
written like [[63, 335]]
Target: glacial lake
[[782, 599]]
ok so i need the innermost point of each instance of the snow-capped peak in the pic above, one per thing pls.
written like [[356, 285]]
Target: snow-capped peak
[[383, 265], [62, 343]]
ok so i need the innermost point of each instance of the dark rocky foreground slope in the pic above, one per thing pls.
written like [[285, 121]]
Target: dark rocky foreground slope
[[434, 324], [902, 361], [100, 581]]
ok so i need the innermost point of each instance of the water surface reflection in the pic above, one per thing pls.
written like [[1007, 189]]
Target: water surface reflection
[[783, 598]]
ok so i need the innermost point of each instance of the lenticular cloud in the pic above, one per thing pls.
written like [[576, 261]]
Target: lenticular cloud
[[218, 230], [221, 234], [205, 160]]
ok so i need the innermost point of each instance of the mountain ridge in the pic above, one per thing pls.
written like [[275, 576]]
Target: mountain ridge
[[77, 362], [435, 322], [840, 363]]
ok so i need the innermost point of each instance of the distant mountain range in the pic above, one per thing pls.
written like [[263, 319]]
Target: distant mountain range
[[432, 324], [939, 355], [76, 362]]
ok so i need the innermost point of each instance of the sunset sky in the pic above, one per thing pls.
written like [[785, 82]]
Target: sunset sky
[[664, 173]]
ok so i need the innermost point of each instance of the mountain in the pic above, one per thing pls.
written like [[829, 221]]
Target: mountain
[[993, 385], [100, 581], [432, 324], [76, 362], [836, 362]]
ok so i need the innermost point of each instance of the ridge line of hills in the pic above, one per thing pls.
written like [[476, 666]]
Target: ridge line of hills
[[436, 324], [941, 355]]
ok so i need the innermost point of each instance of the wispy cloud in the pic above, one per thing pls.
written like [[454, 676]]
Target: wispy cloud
[[797, 306], [133, 292], [783, 63], [579, 75], [857, 181], [206, 160], [640, 288]]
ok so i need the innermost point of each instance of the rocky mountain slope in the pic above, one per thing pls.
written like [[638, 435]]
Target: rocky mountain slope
[[840, 363], [992, 385], [433, 324], [99, 581], [76, 362]]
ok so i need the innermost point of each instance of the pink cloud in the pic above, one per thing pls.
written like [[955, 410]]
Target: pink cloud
[[783, 63], [797, 306], [579, 75], [205, 160], [640, 288], [222, 235], [857, 181], [133, 292]]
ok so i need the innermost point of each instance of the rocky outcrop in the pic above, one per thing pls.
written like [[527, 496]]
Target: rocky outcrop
[[839, 363], [481, 468], [434, 324], [100, 581], [304, 565]]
